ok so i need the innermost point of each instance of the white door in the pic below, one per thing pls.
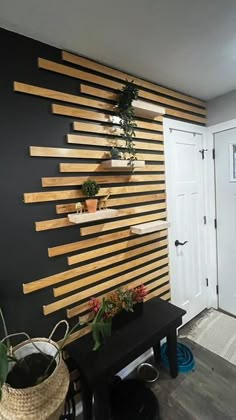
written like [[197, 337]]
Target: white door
[[225, 167], [186, 211]]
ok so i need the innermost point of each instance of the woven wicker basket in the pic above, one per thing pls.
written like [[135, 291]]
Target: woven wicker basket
[[40, 402]]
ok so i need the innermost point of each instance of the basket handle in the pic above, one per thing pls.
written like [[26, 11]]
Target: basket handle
[[63, 321]]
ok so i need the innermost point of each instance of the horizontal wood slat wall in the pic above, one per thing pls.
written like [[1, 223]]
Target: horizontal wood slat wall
[[106, 254]]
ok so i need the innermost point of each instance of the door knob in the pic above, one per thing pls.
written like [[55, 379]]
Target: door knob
[[177, 243]]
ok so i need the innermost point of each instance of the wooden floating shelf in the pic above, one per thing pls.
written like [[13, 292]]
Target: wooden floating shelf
[[88, 217], [146, 109], [150, 227], [122, 163]]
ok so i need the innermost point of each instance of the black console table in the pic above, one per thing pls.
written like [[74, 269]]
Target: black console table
[[159, 319]]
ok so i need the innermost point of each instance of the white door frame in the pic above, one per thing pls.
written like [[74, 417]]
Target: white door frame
[[212, 240], [209, 193]]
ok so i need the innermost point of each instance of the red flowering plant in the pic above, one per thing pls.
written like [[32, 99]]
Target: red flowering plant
[[110, 306]]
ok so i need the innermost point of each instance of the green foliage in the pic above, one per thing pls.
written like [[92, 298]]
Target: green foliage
[[126, 113], [4, 363], [101, 327], [90, 188], [115, 153]]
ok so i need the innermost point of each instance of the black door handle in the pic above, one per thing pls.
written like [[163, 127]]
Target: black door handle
[[177, 243]]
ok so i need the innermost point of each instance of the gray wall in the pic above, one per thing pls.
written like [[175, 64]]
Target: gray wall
[[222, 108]]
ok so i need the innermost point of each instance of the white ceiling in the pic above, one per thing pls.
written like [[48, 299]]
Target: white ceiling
[[187, 45]]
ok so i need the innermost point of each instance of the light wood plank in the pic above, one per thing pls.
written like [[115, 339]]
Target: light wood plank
[[64, 222], [115, 130], [78, 258], [96, 167], [83, 307], [89, 280], [94, 242], [38, 197], [109, 71], [65, 275], [69, 111], [115, 202], [158, 291], [62, 303], [102, 93], [149, 227], [76, 180], [60, 152], [77, 74], [157, 283], [166, 297], [168, 111], [61, 96], [78, 334], [114, 142], [121, 223]]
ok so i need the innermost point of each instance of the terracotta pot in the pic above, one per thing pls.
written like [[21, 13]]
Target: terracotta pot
[[92, 205]]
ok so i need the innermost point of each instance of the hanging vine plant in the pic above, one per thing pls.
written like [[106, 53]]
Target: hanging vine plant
[[125, 111]]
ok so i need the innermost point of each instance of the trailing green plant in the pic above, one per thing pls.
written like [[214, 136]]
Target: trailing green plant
[[125, 111], [90, 188]]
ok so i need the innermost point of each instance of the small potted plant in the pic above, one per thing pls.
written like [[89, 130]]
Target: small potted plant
[[34, 379], [90, 188], [119, 307]]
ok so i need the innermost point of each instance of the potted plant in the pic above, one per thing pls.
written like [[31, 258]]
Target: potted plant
[[115, 310], [34, 379], [90, 188], [125, 112]]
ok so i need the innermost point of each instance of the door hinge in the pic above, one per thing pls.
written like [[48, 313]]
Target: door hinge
[[205, 220], [213, 154], [217, 289], [207, 283], [215, 223]]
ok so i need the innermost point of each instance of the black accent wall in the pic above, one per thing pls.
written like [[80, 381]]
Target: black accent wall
[[24, 121]]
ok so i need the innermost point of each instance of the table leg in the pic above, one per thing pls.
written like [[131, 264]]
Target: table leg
[[102, 402], [157, 352], [172, 352], [87, 400]]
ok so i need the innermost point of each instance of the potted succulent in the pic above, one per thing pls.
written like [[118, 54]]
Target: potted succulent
[[115, 310], [34, 379], [90, 188]]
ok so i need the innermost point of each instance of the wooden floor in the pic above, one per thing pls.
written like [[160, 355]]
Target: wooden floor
[[208, 393]]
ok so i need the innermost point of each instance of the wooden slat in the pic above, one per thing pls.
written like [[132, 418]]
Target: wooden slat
[[157, 283], [62, 303], [101, 93], [118, 179], [78, 334], [169, 111], [64, 222], [65, 275], [78, 258], [38, 197], [113, 130], [59, 291], [77, 74], [60, 152], [114, 142], [84, 62], [158, 291], [121, 223], [96, 167], [53, 224], [167, 296], [94, 242], [115, 202], [69, 111], [61, 96], [83, 307]]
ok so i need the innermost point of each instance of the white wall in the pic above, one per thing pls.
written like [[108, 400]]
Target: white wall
[[222, 108]]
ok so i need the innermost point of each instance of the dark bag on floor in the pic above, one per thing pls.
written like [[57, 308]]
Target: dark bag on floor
[[132, 400]]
